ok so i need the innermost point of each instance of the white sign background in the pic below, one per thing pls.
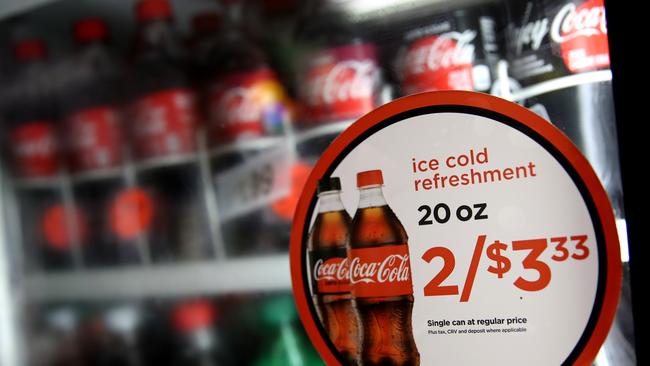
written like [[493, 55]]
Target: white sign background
[[544, 206]]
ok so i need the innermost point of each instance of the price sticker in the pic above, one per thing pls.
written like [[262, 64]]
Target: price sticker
[[258, 182], [477, 234]]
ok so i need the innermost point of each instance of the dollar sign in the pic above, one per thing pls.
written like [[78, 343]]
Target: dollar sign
[[502, 262]]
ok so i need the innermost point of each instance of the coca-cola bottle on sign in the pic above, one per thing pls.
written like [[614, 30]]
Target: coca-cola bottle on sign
[[456, 50], [384, 300], [31, 135], [328, 243]]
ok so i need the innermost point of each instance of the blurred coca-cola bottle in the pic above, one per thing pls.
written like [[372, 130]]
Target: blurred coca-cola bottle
[[59, 342], [92, 132], [456, 50], [198, 341], [339, 75], [30, 132], [163, 135], [245, 105], [122, 337]]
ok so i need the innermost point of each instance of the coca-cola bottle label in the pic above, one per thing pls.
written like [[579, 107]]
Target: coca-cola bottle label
[[330, 271], [382, 271], [131, 213], [247, 104], [165, 124], [563, 38], [340, 83], [95, 139], [59, 227], [439, 62], [34, 147], [581, 32]]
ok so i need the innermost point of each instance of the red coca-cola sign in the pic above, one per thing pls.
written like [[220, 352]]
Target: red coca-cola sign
[[34, 147], [340, 83], [246, 104], [439, 62], [581, 32], [380, 271], [95, 140], [164, 124]]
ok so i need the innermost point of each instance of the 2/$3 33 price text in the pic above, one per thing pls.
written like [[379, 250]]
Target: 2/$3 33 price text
[[536, 276]]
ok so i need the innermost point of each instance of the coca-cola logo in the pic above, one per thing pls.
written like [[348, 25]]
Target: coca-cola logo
[[37, 146], [393, 268], [441, 52], [332, 270], [584, 21], [237, 105], [346, 80], [151, 121]]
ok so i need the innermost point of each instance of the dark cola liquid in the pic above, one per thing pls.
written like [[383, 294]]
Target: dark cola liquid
[[327, 240], [387, 337]]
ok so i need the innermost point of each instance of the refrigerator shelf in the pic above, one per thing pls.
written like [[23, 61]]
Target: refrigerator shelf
[[247, 145], [324, 130], [256, 274]]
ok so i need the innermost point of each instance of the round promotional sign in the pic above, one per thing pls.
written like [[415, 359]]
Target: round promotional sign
[[455, 228]]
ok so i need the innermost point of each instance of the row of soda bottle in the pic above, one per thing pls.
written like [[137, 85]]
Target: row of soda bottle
[[231, 330], [360, 275], [229, 91]]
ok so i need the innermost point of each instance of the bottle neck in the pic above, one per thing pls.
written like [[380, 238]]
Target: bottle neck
[[156, 34], [371, 196], [330, 201]]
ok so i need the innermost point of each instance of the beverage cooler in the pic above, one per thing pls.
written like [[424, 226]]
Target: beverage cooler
[[153, 153]]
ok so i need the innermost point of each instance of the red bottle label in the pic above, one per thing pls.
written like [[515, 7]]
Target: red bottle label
[[330, 271], [439, 62], [581, 33], [380, 271], [340, 83], [95, 139], [165, 124], [131, 213], [247, 104], [34, 147], [59, 230]]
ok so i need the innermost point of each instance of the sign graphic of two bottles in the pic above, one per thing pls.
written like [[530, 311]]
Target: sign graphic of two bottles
[[361, 275]]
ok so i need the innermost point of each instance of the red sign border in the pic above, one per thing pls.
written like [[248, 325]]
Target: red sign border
[[477, 100]]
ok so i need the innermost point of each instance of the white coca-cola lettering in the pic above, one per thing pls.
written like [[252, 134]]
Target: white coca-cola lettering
[[393, 268], [152, 121], [44, 145], [350, 79], [328, 270], [569, 23], [237, 105], [447, 50], [86, 134], [531, 34]]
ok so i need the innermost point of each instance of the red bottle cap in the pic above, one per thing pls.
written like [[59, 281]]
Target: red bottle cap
[[193, 315], [90, 29], [29, 49], [153, 9], [369, 178], [206, 22]]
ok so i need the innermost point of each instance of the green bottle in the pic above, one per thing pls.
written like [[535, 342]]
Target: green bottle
[[288, 344]]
